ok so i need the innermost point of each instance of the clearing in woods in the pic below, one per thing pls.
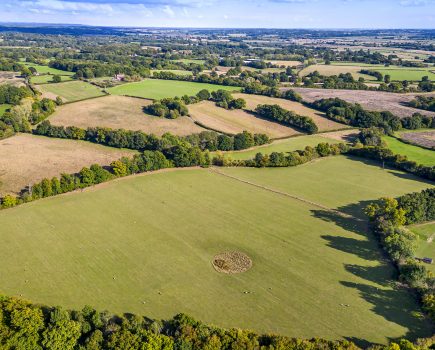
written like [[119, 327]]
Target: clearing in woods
[[323, 123], [26, 159], [70, 91], [417, 154], [120, 112], [157, 88], [104, 247], [234, 121], [40, 69], [46, 79]]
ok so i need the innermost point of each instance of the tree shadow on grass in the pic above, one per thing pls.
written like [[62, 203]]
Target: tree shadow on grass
[[363, 249], [395, 305]]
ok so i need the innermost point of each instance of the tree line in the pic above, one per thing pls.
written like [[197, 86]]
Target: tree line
[[281, 115], [138, 140], [24, 325], [388, 217], [423, 102], [355, 115]]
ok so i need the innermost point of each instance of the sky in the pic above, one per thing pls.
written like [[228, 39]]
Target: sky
[[225, 13]]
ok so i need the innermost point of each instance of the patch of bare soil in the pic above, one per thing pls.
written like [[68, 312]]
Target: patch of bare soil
[[423, 138], [232, 262], [11, 78], [372, 100]]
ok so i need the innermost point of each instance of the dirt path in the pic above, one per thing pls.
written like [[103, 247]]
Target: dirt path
[[213, 169]]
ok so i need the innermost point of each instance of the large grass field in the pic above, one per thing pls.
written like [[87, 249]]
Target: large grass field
[[415, 153], [70, 91], [285, 145], [120, 112], [158, 89], [47, 70], [235, 121], [44, 79], [144, 244], [323, 123], [396, 73], [426, 244]]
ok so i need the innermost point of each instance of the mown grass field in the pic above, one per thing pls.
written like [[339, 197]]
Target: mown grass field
[[4, 107], [70, 91], [426, 244], [120, 112], [408, 73], [44, 79], [145, 244], [285, 145], [415, 153], [235, 121], [158, 89], [47, 70]]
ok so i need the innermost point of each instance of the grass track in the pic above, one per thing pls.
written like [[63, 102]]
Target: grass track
[[157, 88], [144, 245], [415, 153]]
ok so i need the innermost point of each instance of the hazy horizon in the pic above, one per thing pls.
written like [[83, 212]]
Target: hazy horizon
[[273, 14]]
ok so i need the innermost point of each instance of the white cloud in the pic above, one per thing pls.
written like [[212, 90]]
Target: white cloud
[[169, 11]]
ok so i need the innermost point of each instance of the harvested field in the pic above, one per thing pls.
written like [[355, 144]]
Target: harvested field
[[422, 138], [324, 124], [12, 78], [336, 70], [232, 122], [145, 244], [342, 135], [120, 112], [372, 100], [287, 63], [26, 159], [70, 91]]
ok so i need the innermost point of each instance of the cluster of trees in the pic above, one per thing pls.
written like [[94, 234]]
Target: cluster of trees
[[13, 95], [256, 88], [355, 115], [24, 325], [284, 159], [373, 73], [225, 100], [137, 140], [341, 81], [423, 102], [279, 114], [387, 157], [387, 217], [170, 108]]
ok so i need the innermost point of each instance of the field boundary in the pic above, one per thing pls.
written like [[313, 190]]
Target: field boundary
[[282, 193]]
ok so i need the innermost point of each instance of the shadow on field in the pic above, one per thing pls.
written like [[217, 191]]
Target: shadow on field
[[395, 305]]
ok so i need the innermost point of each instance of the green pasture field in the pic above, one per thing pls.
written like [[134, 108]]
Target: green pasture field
[[72, 90], [4, 107], [408, 73], [415, 153], [285, 145], [144, 244], [47, 70], [158, 88], [175, 71], [426, 244], [44, 79]]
